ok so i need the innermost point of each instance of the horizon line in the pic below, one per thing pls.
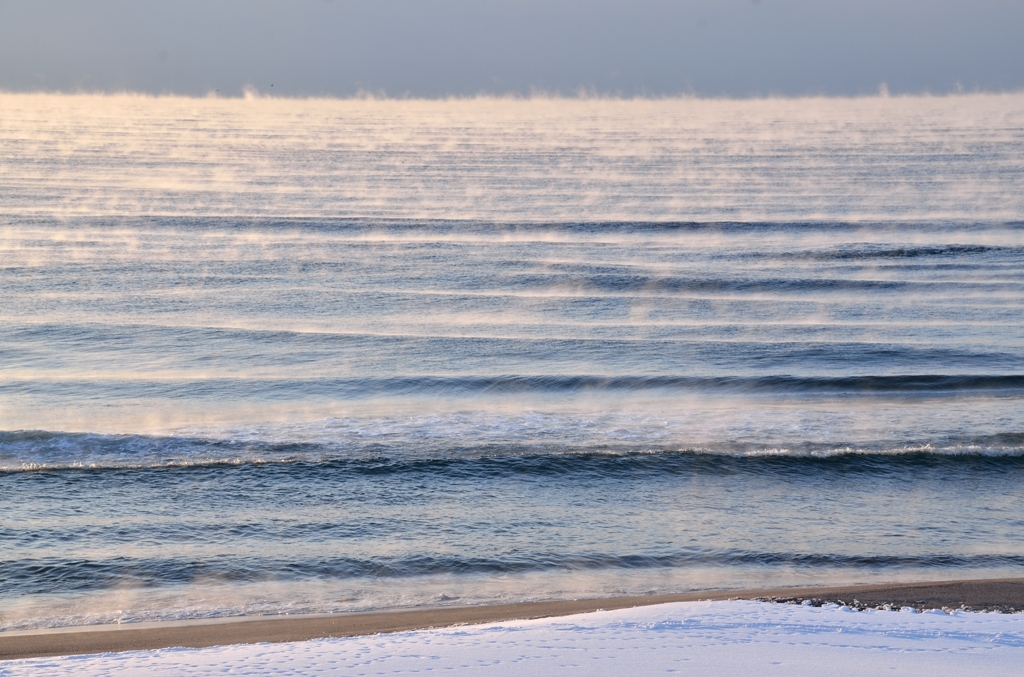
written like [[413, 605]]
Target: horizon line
[[250, 93]]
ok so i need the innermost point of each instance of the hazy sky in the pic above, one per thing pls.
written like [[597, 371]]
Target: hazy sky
[[444, 47]]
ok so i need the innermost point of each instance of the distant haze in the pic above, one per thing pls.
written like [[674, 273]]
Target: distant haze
[[436, 48]]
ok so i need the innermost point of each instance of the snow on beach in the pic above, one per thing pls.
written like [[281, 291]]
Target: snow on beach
[[701, 638]]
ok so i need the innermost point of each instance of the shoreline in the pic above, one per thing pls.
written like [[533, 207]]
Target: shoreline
[[981, 594]]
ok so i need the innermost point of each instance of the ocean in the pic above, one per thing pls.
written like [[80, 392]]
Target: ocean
[[266, 356]]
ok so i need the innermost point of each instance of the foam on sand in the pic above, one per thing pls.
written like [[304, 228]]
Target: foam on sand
[[706, 638]]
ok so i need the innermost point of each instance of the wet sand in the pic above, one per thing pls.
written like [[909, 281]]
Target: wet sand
[[1001, 594]]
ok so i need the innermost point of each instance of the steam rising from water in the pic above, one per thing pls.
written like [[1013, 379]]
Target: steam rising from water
[[515, 159], [148, 324], [279, 355]]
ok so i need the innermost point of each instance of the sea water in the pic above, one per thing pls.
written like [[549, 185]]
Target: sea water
[[281, 356]]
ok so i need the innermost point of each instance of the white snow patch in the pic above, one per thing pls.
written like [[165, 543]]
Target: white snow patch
[[699, 638]]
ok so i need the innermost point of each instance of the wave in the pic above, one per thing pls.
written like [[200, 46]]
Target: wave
[[413, 452], [876, 251], [52, 575], [712, 240], [776, 385], [404, 386]]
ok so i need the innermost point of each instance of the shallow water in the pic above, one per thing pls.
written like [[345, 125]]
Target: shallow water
[[207, 413]]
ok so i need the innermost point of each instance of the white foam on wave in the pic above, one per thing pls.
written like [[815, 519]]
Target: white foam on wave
[[707, 638], [728, 427]]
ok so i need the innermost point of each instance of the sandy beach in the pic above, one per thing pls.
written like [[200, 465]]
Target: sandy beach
[[981, 595]]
